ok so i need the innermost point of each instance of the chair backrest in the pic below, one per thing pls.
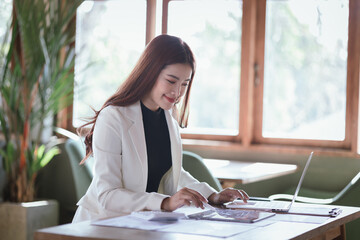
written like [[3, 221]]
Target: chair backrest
[[82, 174], [350, 194], [194, 164], [63, 179]]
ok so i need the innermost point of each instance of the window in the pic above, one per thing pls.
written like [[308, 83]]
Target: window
[[109, 40], [305, 69], [296, 81], [214, 34], [5, 14], [309, 72], [271, 74]]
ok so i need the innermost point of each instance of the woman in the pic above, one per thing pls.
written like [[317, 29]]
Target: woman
[[136, 143]]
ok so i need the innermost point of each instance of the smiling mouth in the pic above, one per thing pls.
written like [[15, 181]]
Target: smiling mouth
[[171, 100]]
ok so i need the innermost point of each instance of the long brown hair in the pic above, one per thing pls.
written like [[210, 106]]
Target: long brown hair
[[161, 51]]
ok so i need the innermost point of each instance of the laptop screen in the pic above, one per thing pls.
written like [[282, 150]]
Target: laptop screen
[[301, 178]]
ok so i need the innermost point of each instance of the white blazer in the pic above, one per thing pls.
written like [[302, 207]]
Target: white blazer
[[121, 168]]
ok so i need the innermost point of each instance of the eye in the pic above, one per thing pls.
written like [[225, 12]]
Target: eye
[[171, 82], [185, 84]]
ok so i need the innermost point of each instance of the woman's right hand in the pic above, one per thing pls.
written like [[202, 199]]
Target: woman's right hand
[[185, 196]]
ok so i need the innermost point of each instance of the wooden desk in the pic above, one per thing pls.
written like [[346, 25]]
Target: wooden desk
[[230, 173], [331, 229]]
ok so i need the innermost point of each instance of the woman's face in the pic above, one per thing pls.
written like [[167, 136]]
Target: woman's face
[[169, 87]]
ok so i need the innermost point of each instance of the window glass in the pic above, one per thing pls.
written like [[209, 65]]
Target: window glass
[[110, 36], [5, 18], [305, 69], [5, 14], [213, 31]]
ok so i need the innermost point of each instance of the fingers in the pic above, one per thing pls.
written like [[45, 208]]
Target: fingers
[[243, 195], [195, 197], [186, 196], [230, 194], [183, 197], [239, 194]]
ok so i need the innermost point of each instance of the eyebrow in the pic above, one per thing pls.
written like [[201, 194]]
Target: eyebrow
[[173, 76]]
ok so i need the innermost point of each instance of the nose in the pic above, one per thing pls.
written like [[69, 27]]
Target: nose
[[177, 90]]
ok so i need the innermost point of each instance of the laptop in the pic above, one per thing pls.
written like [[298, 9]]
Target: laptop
[[274, 206]]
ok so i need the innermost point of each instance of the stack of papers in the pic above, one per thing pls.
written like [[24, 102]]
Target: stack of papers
[[151, 220], [203, 227], [158, 215], [179, 221]]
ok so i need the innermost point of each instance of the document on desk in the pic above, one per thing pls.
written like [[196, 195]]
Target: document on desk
[[299, 218], [131, 222], [179, 224], [209, 228], [188, 226]]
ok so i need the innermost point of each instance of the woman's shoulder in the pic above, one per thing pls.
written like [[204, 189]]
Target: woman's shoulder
[[113, 117], [118, 112], [112, 112], [112, 109]]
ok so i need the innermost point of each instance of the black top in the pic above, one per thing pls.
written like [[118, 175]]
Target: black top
[[157, 146]]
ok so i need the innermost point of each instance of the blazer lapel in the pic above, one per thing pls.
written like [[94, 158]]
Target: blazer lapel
[[176, 147], [137, 136]]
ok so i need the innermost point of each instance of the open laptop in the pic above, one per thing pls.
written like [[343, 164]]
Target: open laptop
[[275, 206]]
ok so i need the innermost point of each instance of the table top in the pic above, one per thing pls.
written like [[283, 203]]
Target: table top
[[273, 230], [247, 172]]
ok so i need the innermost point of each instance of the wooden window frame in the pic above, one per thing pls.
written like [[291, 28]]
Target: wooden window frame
[[350, 141], [205, 137], [65, 116], [251, 91]]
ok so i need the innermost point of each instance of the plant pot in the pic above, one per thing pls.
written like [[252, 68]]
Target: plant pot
[[21, 220]]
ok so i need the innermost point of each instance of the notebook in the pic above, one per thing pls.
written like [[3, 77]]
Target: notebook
[[275, 206]]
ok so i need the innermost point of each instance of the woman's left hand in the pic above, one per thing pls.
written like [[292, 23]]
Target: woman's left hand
[[228, 195]]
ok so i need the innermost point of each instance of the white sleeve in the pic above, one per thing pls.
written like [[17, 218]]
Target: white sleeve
[[187, 180]]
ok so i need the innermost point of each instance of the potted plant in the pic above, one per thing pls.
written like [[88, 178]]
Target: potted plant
[[36, 82]]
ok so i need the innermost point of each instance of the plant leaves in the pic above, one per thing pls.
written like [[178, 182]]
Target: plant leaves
[[48, 156]]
